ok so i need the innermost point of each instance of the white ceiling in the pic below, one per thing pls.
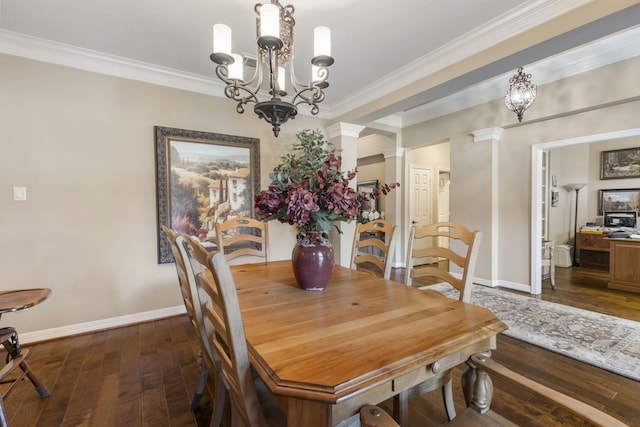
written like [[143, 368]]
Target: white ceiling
[[378, 45]]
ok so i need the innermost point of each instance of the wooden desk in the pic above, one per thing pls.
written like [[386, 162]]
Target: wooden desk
[[362, 340], [624, 272], [594, 250]]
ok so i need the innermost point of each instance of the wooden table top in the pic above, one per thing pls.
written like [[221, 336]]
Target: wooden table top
[[360, 331], [20, 299]]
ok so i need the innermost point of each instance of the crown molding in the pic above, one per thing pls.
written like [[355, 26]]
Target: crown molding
[[503, 27], [38, 49]]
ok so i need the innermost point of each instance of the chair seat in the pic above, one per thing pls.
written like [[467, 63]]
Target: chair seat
[[21, 299]]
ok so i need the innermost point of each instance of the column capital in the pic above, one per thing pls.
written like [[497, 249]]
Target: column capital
[[344, 129], [488, 134]]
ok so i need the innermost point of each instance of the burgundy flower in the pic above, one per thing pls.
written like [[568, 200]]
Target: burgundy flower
[[267, 202]]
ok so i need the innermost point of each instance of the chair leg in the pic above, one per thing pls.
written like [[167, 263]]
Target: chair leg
[[401, 408], [12, 345], [42, 389], [552, 274], [202, 384], [3, 416], [447, 396], [219, 394]]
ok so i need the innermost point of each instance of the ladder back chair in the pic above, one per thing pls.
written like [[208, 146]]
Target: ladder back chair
[[374, 243], [229, 342], [549, 262], [478, 400], [209, 366], [12, 301], [243, 237], [454, 244]]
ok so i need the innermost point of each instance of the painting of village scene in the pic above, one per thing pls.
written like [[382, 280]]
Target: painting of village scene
[[208, 181]]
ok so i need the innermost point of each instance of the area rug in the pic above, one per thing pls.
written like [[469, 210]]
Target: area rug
[[601, 340]]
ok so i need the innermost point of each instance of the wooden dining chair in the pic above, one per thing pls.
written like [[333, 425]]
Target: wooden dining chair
[[229, 343], [441, 245], [549, 262], [16, 357], [209, 365], [374, 243], [243, 237], [476, 415]]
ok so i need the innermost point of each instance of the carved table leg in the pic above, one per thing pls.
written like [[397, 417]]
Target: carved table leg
[[477, 386]]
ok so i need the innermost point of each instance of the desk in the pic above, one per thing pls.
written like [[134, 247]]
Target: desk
[[624, 273], [594, 250], [362, 340]]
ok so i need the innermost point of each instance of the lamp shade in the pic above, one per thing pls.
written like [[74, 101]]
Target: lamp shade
[[572, 187]]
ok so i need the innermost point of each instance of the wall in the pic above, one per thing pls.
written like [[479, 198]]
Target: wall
[[570, 165], [602, 100], [83, 145]]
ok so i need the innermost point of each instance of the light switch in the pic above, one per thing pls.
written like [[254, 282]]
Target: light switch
[[20, 194]]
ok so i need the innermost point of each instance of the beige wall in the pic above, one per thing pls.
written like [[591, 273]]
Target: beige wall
[[83, 145], [595, 102]]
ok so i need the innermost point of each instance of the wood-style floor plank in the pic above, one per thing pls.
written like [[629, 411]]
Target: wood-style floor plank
[[146, 374]]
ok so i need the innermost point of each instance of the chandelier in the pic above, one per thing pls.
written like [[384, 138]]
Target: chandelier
[[521, 94], [274, 27]]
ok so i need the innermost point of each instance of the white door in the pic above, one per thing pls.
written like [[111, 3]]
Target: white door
[[421, 196]]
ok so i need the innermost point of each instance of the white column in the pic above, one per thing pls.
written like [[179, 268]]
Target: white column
[[344, 136], [492, 135], [394, 208]]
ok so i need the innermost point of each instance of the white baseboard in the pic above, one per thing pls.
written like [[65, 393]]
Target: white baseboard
[[98, 325]]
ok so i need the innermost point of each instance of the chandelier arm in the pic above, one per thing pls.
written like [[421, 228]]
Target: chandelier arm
[[311, 95], [235, 88]]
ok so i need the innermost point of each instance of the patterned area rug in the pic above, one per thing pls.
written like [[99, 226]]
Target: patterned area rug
[[601, 340]]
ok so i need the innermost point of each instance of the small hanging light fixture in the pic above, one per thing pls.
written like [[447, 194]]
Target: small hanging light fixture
[[274, 27], [521, 94]]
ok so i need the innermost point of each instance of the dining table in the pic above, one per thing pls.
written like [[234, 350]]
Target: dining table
[[363, 339]]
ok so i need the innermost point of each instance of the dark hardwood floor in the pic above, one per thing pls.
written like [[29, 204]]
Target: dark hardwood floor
[[145, 374]]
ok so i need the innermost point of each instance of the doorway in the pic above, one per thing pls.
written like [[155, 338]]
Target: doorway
[[539, 198], [421, 199]]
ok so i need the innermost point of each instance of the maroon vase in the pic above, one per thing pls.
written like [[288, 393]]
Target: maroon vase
[[312, 260]]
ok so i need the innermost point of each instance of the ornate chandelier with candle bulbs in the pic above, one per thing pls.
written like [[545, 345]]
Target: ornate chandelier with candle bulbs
[[274, 25]]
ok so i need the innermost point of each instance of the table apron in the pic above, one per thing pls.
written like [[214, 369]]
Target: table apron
[[312, 413]]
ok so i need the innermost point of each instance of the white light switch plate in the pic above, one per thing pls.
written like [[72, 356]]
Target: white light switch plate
[[20, 194]]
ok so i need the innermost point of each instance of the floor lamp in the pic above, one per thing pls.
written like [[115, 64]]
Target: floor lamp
[[577, 188]]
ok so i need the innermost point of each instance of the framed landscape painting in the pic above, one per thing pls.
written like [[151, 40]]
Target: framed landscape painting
[[202, 178], [618, 164], [627, 199]]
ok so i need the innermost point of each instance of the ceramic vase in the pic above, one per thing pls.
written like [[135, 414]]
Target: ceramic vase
[[312, 260]]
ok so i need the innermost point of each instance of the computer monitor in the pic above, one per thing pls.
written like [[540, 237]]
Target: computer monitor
[[627, 219]]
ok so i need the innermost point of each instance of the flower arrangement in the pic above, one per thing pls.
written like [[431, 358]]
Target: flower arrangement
[[309, 190]]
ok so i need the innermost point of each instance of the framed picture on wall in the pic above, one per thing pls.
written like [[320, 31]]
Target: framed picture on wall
[[370, 206], [619, 164], [627, 199], [202, 178]]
